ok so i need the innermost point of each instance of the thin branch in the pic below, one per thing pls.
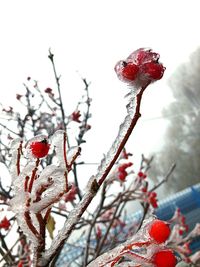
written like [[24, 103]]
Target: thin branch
[[165, 179], [51, 57]]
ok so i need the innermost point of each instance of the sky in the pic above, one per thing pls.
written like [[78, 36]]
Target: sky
[[88, 37]]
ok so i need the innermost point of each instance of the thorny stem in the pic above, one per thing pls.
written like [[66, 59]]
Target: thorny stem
[[88, 197]]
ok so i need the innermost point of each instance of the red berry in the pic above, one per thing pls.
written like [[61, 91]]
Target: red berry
[[164, 258], [159, 231], [154, 70], [130, 71], [40, 149]]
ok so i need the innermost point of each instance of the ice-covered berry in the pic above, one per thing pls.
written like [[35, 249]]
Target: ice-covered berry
[[159, 231], [154, 70], [130, 71], [40, 149], [164, 258]]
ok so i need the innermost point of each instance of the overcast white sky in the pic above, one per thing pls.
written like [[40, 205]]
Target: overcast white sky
[[90, 36]]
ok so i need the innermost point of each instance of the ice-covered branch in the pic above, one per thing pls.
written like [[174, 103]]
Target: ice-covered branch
[[36, 191]]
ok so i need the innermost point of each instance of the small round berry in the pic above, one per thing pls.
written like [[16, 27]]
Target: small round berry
[[159, 231], [40, 149], [164, 258], [130, 71], [154, 70]]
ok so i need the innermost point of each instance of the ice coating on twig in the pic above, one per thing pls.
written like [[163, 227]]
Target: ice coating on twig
[[18, 185], [15, 146], [37, 190], [58, 141], [139, 242], [71, 153], [52, 183], [131, 97], [64, 157]]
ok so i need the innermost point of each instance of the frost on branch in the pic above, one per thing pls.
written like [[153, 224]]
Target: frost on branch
[[37, 189]]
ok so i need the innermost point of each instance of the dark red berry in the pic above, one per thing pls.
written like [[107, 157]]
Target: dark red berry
[[159, 231], [130, 71], [164, 258], [40, 149], [154, 70]]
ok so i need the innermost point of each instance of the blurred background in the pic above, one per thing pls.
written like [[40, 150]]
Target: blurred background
[[88, 38]]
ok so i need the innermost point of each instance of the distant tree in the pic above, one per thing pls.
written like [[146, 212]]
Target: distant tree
[[182, 138]]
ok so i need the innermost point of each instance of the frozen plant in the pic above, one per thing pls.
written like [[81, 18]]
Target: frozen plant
[[40, 170], [36, 191]]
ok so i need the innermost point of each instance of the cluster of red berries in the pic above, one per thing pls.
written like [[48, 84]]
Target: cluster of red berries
[[5, 224], [160, 231], [40, 149], [122, 173], [142, 66]]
